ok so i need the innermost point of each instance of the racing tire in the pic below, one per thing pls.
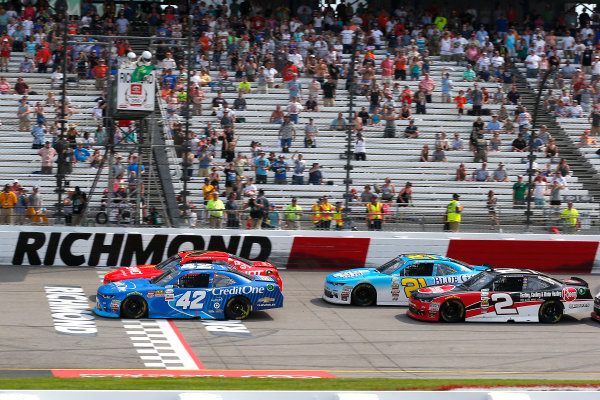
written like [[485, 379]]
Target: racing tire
[[134, 307], [452, 311], [238, 308], [101, 218], [364, 295], [550, 312]]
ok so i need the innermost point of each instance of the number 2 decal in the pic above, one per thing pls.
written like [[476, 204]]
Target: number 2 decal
[[503, 304], [411, 284], [185, 303]]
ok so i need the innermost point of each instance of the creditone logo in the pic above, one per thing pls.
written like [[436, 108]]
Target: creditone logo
[[237, 290], [119, 249], [70, 310]]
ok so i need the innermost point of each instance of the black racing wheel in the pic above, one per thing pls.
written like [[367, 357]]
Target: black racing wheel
[[238, 308], [452, 311], [551, 312], [134, 307], [364, 295]]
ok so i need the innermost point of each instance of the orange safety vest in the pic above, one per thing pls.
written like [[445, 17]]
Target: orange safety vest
[[327, 209], [338, 215], [374, 211], [316, 215]]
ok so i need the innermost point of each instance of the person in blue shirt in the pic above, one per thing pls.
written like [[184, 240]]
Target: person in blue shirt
[[280, 167], [261, 165], [447, 86], [38, 131], [135, 165], [169, 79], [494, 124], [81, 153]]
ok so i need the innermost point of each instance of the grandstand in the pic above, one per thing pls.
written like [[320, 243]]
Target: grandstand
[[397, 158]]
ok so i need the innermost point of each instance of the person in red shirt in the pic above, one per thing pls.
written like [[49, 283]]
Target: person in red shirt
[[460, 101], [406, 96], [42, 57], [400, 66], [387, 70], [5, 49], [288, 71]]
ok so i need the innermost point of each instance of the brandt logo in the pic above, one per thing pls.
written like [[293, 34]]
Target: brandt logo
[[70, 310]]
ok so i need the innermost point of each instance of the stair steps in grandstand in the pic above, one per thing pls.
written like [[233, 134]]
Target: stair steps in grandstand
[[580, 166]]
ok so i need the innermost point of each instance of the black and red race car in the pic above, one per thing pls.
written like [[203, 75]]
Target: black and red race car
[[501, 295], [196, 256]]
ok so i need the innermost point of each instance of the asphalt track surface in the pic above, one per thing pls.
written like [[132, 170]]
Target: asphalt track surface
[[307, 334]]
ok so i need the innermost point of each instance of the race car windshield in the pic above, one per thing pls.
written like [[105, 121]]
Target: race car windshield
[[478, 282], [242, 259], [168, 263], [165, 277], [391, 266]]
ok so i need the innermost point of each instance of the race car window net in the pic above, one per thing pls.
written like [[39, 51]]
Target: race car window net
[[419, 269], [508, 284], [223, 280], [168, 263], [165, 277], [445, 269], [391, 266], [479, 281], [534, 283], [193, 281]]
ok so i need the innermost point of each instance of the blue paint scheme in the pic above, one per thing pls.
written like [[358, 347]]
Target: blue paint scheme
[[394, 280], [177, 294]]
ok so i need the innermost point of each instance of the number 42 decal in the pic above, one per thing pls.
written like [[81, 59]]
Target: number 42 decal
[[193, 304]]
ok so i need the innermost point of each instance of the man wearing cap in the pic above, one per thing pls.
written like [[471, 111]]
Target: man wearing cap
[[215, 209], [374, 214], [494, 125], [299, 165], [36, 209], [447, 86], [293, 212], [453, 214], [8, 200], [500, 174], [5, 50], [570, 218], [280, 168]]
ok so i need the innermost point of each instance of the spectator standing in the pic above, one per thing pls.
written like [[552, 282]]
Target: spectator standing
[[23, 114], [299, 165], [519, 193], [540, 189], [293, 213], [280, 167], [79, 202], [261, 165], [8, 200], [326, 213], [374, 214], [215, 208], [492, 202], [5, 50], [570, 217], [460, 101], [477, 99], [286, 134], [360, 150], [594, 120], [38, 132], [329, 91], [453, 214], [447, 86], [232, 211], [100, 73], [310, 134], [47, 154]]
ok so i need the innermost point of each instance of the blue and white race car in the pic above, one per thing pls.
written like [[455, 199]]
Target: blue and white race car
[[392, 282], [207, 291]]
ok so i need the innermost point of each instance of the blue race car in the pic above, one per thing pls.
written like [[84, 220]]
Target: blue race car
[[392, 282], [209, 291]]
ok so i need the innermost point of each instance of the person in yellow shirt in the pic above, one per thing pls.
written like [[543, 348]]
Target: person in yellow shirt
[[338, 216], [215, 208], [453, 211], [326, 212], [207, 192], [570, 217], [374, 214], [8, 200], [293, 212], [316, 214], [244, 86]]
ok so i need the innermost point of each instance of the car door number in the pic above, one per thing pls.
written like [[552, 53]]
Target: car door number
[[191, 300], [411, 284], [503, 304]]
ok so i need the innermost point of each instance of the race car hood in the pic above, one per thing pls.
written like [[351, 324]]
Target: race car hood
[[351, 275], [432, 292], [135, 272], [125, 286]]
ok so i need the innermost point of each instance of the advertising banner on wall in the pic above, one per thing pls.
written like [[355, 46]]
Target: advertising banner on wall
[[325, 250]]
